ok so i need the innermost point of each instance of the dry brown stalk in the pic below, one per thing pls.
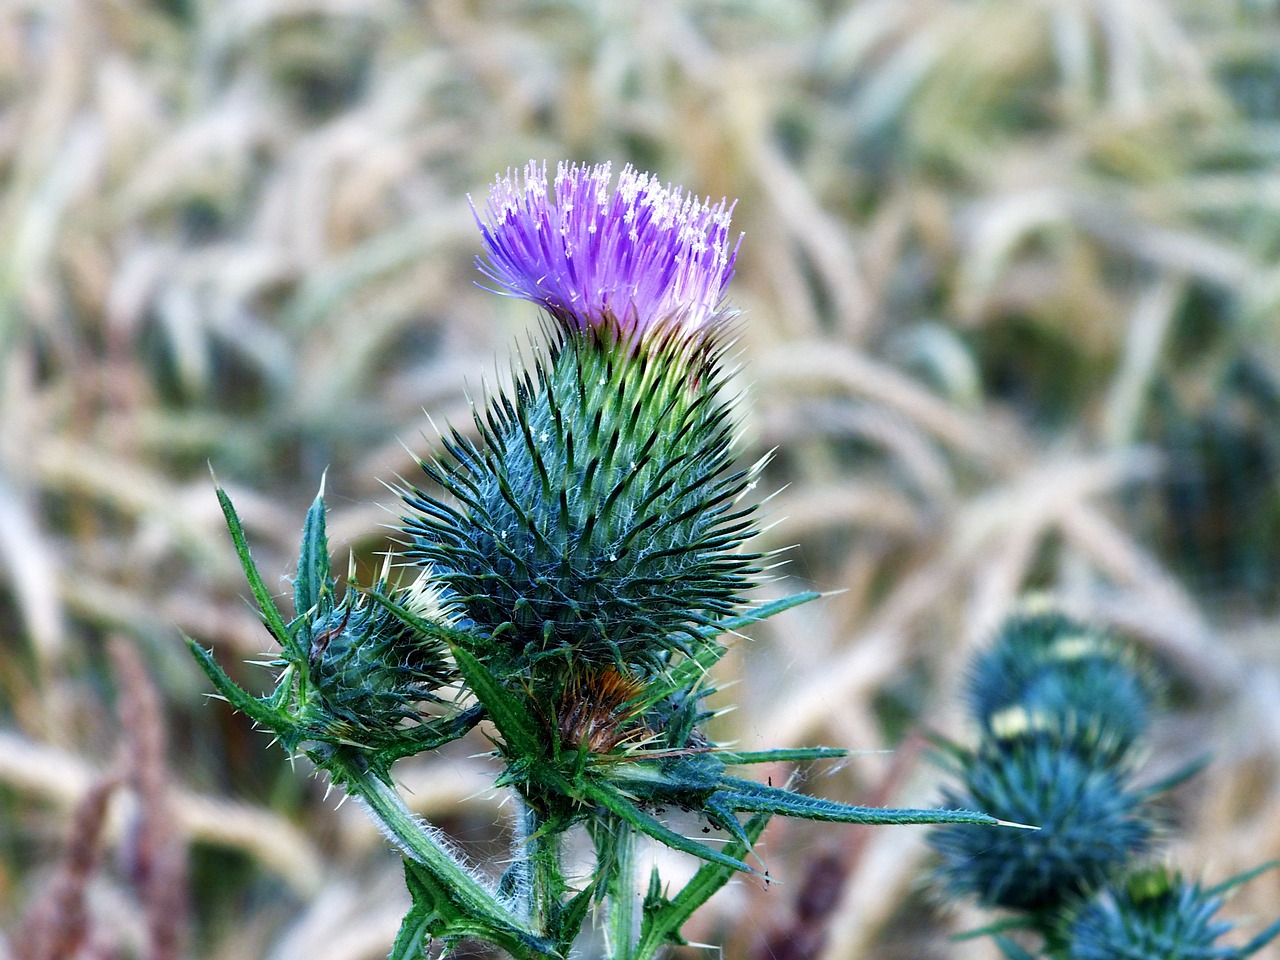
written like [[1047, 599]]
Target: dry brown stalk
[[157, 853], [59, 925]]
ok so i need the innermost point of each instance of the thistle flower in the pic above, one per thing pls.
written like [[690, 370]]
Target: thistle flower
[[597, 518], [643, 257], [576, 580]]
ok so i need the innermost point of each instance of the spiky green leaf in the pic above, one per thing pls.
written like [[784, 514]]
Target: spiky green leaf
[[260, 712], [266, 603], [747, 796], [313, 559]]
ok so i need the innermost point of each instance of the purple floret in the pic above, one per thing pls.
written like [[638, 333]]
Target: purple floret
[[645, 256]]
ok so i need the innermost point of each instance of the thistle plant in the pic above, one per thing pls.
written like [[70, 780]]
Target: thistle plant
[[1062, 710], [569, 571]]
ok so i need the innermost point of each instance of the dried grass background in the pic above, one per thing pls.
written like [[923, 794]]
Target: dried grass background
[[1011, 293]]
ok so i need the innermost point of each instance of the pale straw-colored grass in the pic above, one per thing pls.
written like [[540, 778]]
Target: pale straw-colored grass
[[1002, 260]]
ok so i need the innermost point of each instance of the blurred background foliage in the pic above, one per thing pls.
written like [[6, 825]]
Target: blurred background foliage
[[1011, 294]]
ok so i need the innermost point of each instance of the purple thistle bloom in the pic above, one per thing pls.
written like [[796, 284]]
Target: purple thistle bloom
[[646, 256]]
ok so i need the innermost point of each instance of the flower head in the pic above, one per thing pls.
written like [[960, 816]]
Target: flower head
[[1091, 822], [647, 255]]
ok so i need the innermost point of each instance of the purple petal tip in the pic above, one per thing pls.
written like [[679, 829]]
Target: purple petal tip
[[644, 256]]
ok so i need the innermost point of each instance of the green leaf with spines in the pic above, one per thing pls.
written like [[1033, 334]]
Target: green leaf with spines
[[747, 796], [663, 917], [519, 728], [607, 796], [435, 914], [735, 758], [276, 624], [1012, 950], [312, 580], [266, 713]]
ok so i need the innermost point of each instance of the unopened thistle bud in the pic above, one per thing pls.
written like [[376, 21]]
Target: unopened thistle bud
[[1156, 913], [1049, 672], [1091, 822], [370, 669]]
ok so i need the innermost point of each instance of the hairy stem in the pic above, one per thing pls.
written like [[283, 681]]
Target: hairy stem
[[621, 925], [467, 895], [539, 845]]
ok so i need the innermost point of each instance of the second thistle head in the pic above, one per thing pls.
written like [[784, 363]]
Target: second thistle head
[[596, 516], [1044, 670]]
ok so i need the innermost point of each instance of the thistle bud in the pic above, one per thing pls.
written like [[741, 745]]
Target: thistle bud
[[1091, 822], [1045, 670], [370, 669], [1156, 913]]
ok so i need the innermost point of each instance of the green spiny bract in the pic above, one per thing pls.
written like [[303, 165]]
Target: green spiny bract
[[1091, 822], [1047, 670], [1154, 914], [370, 670], [597, 516]]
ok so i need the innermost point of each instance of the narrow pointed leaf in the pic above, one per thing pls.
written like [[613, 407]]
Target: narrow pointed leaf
[[573, 914], [736, 758], [723, 817], [266, 603], [313, 559], [1241, 878], [431, 735], [1177, 778], [1013, 951], [747, 796], [1261, 940], [517, 725], [993, 929], [663, 918], [250, 706], [420, 923]]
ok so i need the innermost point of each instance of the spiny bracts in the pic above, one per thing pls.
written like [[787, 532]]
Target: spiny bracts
[[597, 516], [1091, 822], [1047, 671], [372, 670], [1154, 914]]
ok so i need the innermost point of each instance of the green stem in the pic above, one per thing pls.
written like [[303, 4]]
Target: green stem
[[539, 845], [467, 894], [621, 924]]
